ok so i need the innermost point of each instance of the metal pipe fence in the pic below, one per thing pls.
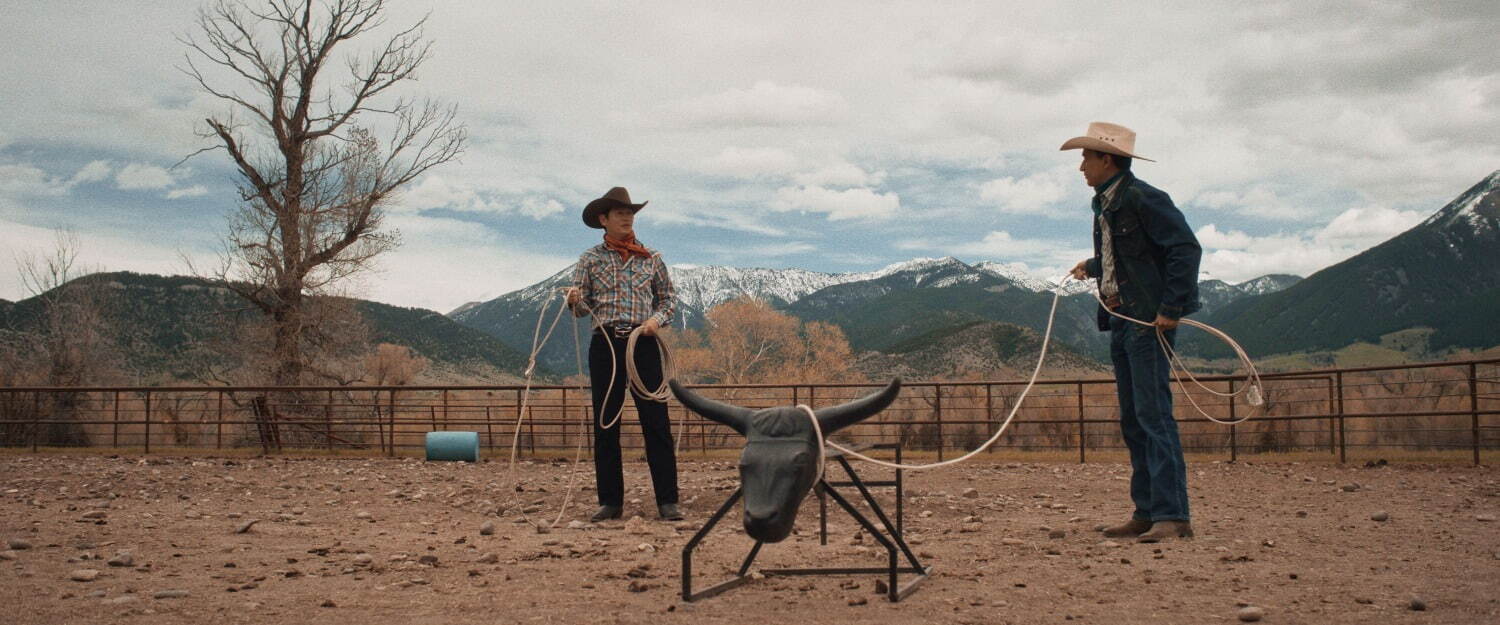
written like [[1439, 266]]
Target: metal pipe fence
[[1434, 406]]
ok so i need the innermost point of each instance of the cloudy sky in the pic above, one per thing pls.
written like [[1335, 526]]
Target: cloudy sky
[[833, 136]]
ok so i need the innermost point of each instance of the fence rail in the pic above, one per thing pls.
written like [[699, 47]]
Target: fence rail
[[1432, 406]]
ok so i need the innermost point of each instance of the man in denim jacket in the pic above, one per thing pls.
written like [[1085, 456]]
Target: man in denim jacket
[[1146, 264]]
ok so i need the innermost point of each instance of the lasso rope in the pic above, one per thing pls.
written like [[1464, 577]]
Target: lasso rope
[[1252, 390]]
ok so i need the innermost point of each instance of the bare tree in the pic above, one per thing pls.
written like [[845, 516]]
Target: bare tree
[[313, 181], [64, 340]]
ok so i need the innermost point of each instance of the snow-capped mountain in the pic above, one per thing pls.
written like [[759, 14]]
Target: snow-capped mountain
[[1441, 274], [1018, 273], [1268, 284], [1214, 294]]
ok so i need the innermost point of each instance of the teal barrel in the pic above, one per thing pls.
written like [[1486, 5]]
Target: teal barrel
[[459, 446]]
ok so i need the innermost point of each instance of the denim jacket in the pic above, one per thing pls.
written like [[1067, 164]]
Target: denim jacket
[[1156, 254]]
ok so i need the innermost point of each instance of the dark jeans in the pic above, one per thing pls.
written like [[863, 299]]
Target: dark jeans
[[661, 457], [1158, 478]]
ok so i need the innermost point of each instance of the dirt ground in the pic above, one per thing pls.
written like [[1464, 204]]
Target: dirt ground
[[361, 541]]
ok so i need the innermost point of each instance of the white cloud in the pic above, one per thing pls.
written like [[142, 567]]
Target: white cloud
[[765, 104], [748, 163], [1258, 201], [95, 171], [1000, 244], [196, 190], [1364, 227], [1235, 256], [138, 176], [1210, 237], [24, 180], [1035, 61], [435, 191], [839, 205], [444, 263], [538, 207], [841, 174], [1032, 195]]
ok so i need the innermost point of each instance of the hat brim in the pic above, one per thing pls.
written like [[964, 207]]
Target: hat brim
[[602, 205], [1098, 145]]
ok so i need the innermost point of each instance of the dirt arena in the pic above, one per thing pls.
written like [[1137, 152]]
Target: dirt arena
[[360, 541]]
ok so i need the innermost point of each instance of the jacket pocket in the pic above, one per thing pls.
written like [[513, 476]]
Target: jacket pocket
[[1128, 240]]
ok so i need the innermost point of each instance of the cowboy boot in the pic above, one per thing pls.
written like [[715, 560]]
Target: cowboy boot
[[606, 512], [1128, 529], [1162, 530], [669, 512]]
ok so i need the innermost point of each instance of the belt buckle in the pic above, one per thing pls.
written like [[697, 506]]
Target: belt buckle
[[621, 330], [1112, 302]]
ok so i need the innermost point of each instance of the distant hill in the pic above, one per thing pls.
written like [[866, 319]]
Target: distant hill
[[1441, 274], [983, 347], [156, 319]]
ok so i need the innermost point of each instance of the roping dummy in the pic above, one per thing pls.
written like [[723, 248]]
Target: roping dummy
[[780, 462]]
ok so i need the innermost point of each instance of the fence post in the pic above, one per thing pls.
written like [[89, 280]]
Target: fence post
[[218, 422], [1474, 410], [989, 411], [1082, 433], [1343, 444], [148, 422], [115, 438], [1332, 437], [937, 393], [1234, 448], [328, 420], [489, 427], [391, 423], [36, 418]]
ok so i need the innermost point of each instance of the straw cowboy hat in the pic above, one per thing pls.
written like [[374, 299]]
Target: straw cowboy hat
[[617, 197], [1106, 137]]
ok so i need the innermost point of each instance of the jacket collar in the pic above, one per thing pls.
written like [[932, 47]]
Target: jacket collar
[[1121, 179]]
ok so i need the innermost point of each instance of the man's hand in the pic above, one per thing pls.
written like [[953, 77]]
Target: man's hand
[[650, 327], [1165, 323], [1080, 271], [574, 295]]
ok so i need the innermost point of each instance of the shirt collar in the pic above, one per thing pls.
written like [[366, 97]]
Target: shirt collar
[[1109, 184]]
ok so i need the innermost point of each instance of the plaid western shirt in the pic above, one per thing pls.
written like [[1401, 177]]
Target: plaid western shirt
[[629, 291]]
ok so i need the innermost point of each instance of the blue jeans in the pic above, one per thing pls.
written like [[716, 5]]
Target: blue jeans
[[1158, 478]]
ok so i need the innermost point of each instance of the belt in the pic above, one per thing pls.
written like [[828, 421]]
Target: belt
[[1112, 302], [618, 329]]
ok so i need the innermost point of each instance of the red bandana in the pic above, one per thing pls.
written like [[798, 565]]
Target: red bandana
[[627, 247]]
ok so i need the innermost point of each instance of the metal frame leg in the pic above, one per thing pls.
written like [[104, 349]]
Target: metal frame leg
[[687, 557]]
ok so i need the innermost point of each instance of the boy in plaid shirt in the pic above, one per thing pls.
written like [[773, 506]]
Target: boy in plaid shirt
[[625, 286]]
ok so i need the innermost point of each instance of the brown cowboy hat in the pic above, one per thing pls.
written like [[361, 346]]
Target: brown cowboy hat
[[617, 197], [1108, 138]]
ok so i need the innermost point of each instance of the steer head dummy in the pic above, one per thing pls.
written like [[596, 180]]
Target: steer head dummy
[[779, 463]]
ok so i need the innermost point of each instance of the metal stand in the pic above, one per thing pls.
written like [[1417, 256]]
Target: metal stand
[[892, 538]]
